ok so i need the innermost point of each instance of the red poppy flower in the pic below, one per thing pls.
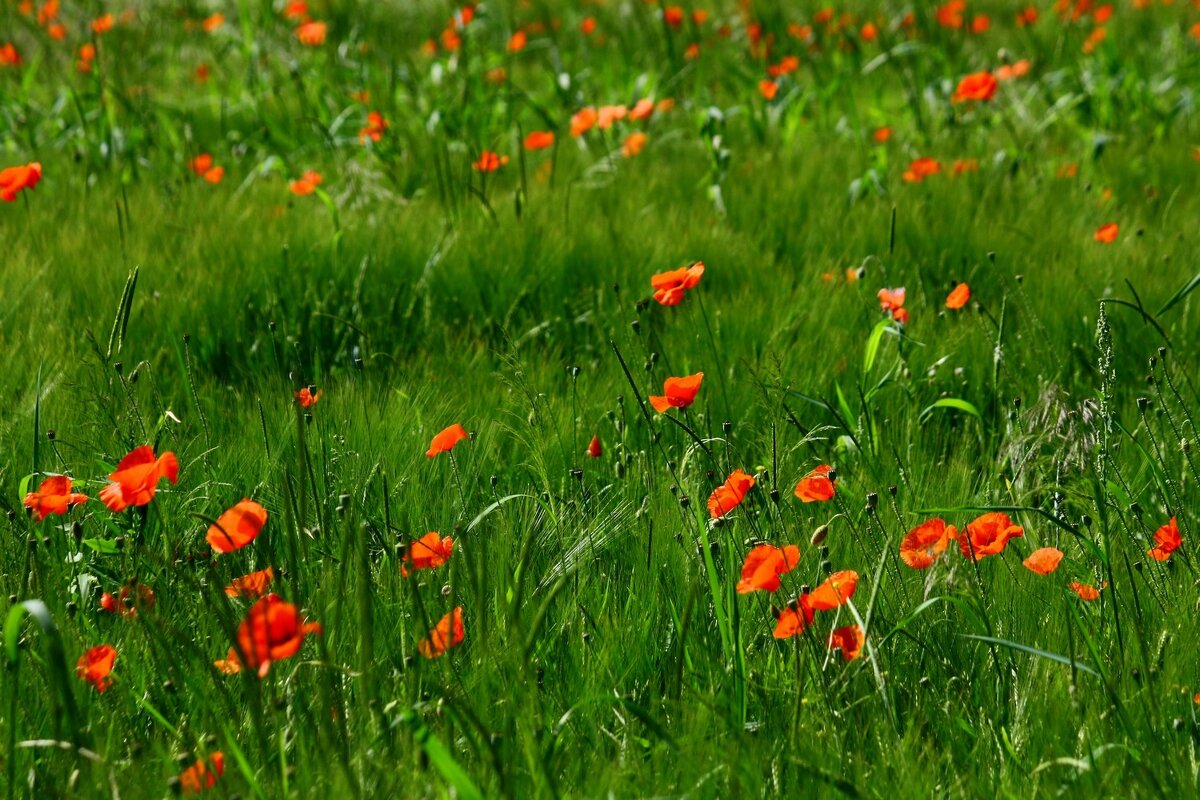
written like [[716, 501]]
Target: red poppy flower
[[607, 115], [1166, 541], [212, 23], [128, 600], [444, 442], [296, 9], [53, 496], [835, 591], [965, 165], [881, 135], [669, 287], [768, 89], [203, 774], [9, 57], [1086, 591], [925, 543], [95, 665], [428, 552], [849, 640], [921, 168], [14, 179], [1107, 234], [595, 449], [312, 34], [988, 535], [237, 527], [104, 24], [446, 634], [253, 585], [816, 486], [306, 398], [641, 110], [891, 299], [583, 120], [136, 478], [489, 162], [516, 42], [976, 87], [1008, 72], [729, 495], [763, 566], [677, 393], [634, 144], [793, 619], [1044, 560], [375, 127], [273, 630], [950, 15], [539, 140], [959, 297], [306, 184]]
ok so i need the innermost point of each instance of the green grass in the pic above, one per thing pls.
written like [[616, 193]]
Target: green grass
[[605, 653]]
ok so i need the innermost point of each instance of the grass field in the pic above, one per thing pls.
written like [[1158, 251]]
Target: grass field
[[173, 277]]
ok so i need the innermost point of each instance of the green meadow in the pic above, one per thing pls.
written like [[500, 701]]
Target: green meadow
[[170, 277]]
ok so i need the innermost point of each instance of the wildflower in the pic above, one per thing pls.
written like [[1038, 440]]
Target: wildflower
[[588, 26], [768, 89], [793, 619], [311, 34], [583, 121], [104, 24], [1008, 72], [212, 23], [835, 591], [729, 495], [670, 287], [136, 478], [252, 585], [203, 774], [127, 601], [1107, 234], [444, 442], [237, 527], [305, 185], [516, 42], [489, 162], [980, 24], [988, 535], [296, 9], [607, 115], [9, 57], [891, 299], [966, 165], [677, 393], [816, 486], [925, 543], [95, 665], [881, 135], [1044, 560], [763, 566], [976, 87], [634, 143], [641, 110], [594, 448], [1027, 16], [307, 398], [375, 127], [849, 640], [1166, 541], [539, 140], [272, 630], [1086, 591], [428, 552], [14, 179], [53, 496], [958, 297], [920, 169], [446, 634]]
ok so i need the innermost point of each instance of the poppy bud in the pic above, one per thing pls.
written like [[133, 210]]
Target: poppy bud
[[1153, 361], [12, 599], [1177, 724], [574, 372], [1086, 521], [1017, 402], [646, 365], [71, 608], [654, 357], [819, 536], [173, 784], [1185, 445], [495, 479], [577, 474], [832, 475], [77, 530], [1136, 675], [714, 548], [358, 363], [826, 568], [50, 434], [892, 490], [620, 469], [1135, 509], [774, 495], [872, 501], [46, 541], [708, 474], [727, 427], [805, 589], [1143, 403], [636, 325], [119, 367], [992, 256], [33, 543], [685, 501]]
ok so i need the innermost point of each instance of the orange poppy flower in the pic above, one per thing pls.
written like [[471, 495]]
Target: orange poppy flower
[[237, 527], [881, 135], [588, 26], [925, 543], [53, 496], [793, 619], [1008, 72], [445, 441], [670, 287], [14, 179], [1107, 234], [988, 535], [641, 110], [1044, 560], [446, 634], [1085, 591], [306, 184], [306, 398], [607, 115], [1027, 16], [634, 144], [891, 299], [104, 24], [136, 478], [594, 448], [296, 9], [489, 162], [768, 89], [1166, 541], [128, 600], [516, 43], [920, 169], [958, 297], [95, 665], [849, 640], [375, 127], [869, 32], [272, 630], [253, 585], [976, 87], [729, 495], [980, 24], [428, 552], [539, 140], [677, 393], [212, 22], [950, 15], [816, 486], [763, 566], [835, 591], [312, 34], [203, 774], [9, 57], [583, 121], [965, 165]]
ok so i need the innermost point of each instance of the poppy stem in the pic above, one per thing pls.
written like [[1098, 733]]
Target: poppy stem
[[716, 355]]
